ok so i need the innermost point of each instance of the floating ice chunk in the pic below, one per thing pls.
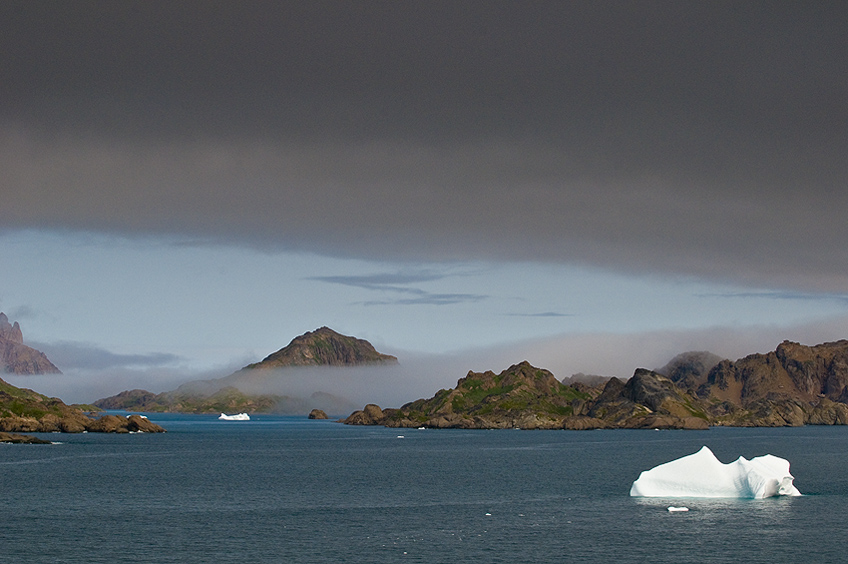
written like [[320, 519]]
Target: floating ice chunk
[[673, 509], [703, 475], [237, 417]]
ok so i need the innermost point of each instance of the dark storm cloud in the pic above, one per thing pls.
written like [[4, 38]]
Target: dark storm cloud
[[702, 139]]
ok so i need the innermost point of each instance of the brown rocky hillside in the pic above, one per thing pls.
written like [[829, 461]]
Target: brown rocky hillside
[[793, 385]]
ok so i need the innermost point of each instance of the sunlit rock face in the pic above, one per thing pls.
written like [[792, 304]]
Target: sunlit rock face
[[703, 475]]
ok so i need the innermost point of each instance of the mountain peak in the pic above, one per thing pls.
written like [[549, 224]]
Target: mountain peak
[[10, 332], [325, 347]]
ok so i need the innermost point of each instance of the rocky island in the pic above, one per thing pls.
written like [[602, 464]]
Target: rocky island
[[322, 347], [791, 386]]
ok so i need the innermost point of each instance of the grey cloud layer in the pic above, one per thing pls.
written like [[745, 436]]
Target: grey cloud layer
[[704, 139], [70, 355]]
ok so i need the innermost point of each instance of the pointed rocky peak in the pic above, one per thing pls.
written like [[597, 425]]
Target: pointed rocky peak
[[10, 332]]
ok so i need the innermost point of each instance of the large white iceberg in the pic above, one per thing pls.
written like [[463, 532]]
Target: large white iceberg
[[703, 475]]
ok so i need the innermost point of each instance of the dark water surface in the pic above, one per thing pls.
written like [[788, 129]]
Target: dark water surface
[[279, 489]]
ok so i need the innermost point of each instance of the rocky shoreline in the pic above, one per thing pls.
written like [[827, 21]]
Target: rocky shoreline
[[25, 411], [75, 423]]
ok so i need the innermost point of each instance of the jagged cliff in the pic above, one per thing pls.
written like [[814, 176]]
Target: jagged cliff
[[793, 385], [18, 358]]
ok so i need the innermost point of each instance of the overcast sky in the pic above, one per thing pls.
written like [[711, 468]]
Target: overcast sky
[[186, 186]]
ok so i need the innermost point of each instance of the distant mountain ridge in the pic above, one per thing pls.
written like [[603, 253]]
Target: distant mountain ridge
[[322, 347], [18, 358]]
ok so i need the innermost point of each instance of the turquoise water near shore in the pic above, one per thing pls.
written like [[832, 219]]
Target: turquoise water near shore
[[283, 489]]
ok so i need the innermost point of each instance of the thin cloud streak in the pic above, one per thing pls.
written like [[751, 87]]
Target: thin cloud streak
[[541, 314], [431, 299], [396, 283], [803, 296], [383, 281]]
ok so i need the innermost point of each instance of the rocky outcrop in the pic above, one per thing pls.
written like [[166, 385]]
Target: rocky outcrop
[[119, 424], [22, 439], [18, 358], [793, 385], [648, 400], [324, 347], [318, 414], [370, 415], [522, 396], [25, 411]]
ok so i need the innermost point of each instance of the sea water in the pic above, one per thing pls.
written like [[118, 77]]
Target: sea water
[[278, 489]]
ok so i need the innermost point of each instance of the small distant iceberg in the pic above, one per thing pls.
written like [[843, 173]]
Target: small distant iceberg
[[703, 475], [236, 417]]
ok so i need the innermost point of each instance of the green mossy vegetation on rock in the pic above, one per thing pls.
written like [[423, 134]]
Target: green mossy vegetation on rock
[[521, 396]]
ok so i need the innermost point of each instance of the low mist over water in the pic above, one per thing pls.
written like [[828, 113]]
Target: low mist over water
[[418, 375]]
